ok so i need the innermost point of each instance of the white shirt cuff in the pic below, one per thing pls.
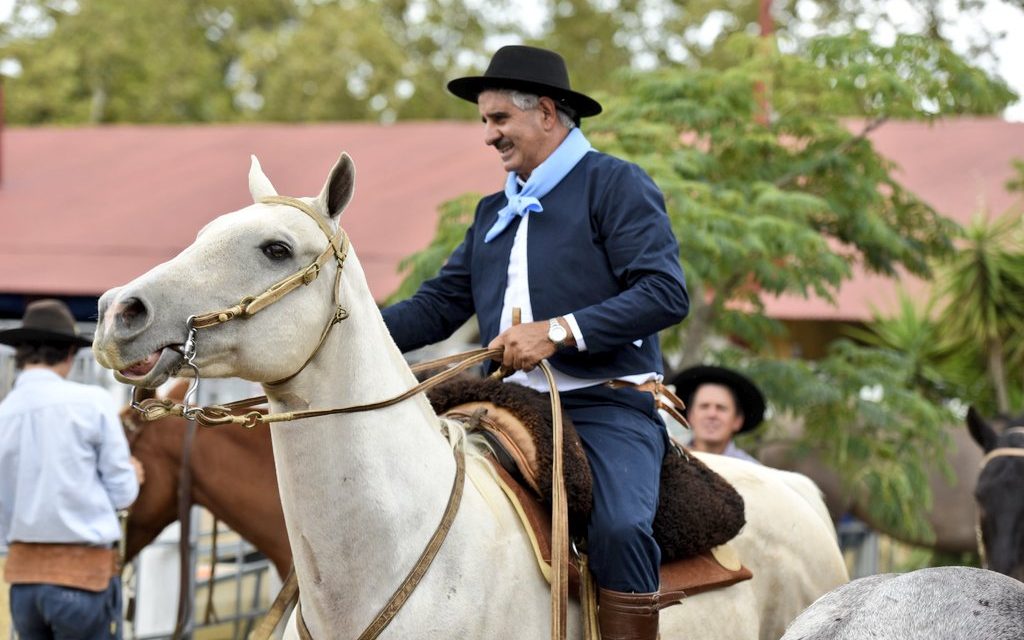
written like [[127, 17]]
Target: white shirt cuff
[[581, 344]]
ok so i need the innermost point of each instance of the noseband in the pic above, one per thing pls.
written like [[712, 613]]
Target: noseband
[[1004, 451]]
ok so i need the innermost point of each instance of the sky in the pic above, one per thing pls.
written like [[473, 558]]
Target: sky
[[995, 16]]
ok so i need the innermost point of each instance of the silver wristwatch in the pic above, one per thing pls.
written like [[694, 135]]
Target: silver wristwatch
[[557, 333]]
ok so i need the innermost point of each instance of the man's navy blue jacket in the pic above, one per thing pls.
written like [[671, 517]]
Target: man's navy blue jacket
[[602, 249]]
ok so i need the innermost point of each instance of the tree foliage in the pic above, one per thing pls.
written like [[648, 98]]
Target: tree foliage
[[789, 206], [301, 60], [379, 60], [110, 61], [982, 289]]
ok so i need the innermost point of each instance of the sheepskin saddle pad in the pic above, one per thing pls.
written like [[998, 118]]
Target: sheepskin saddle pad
[[697, 508]]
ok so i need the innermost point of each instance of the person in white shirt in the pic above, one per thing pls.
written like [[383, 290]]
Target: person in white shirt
[[720, 403], [65, 470]]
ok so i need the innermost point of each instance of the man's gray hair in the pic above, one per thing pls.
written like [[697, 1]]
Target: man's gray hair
[[529, 101]]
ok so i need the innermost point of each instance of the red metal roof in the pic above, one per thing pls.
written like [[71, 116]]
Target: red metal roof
[[960, 167], [85, 209]]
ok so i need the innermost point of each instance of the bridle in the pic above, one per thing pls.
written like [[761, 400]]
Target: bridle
[[337, 246], [998, 452]]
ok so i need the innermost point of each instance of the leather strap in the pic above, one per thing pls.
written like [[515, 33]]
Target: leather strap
[[182, 625], [664, 397], [404, 590], [216, 415], [337, 246], [1002, 452], [559, 517], [286, 597], [408, 585]]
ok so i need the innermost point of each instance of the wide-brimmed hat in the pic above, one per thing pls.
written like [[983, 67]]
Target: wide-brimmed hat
[[46, 322], [528, 69], [749, 397]]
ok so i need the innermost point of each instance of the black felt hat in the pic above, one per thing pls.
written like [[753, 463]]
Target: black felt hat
[[749, 397], [528, 69], [46, 322]]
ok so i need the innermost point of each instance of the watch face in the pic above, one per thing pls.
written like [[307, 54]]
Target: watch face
[[557, 333]]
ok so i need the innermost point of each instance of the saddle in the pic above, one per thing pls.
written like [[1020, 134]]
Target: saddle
[[698, 511]]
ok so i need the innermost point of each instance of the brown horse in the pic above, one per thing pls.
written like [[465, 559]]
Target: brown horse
[[1000, 508], [233, 476]]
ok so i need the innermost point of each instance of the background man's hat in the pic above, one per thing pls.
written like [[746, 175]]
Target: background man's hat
[[531, 70], [46, 322], [750, 398]]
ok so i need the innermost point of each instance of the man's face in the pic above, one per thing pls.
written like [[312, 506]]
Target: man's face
[[713, 415], [522, 138]]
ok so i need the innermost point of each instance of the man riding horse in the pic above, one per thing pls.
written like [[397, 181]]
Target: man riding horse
[[579, 242]]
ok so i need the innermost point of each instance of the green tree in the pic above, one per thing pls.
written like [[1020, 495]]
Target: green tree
[[982, 288], [111, 61], [377, 60], [599, 36], [207, 60]]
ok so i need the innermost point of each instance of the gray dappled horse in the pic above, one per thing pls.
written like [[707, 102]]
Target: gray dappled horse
[[941, 603], [1000, 493]]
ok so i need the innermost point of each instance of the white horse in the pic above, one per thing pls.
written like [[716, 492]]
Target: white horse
[[363, 492], [951, 603]]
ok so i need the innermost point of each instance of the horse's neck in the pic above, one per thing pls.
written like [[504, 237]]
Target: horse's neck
[[360, 364], [360, 491]]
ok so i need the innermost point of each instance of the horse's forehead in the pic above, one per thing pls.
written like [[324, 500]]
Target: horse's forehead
[[262, 219]]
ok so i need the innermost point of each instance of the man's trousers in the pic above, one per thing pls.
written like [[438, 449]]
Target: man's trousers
[[625, 440]]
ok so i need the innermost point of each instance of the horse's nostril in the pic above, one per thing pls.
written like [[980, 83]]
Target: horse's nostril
[[130, 312]]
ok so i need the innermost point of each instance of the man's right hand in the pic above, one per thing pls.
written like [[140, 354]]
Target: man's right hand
[[526, 345]]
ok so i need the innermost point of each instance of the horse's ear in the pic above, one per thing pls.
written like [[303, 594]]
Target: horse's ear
[[341, 182], [981, 430], [259, 183]]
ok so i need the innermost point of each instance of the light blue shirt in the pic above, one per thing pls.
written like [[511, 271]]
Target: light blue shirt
[[65, 467], [733, 451]]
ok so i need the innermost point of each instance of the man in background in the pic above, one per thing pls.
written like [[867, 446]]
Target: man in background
[[65, 470], [721, 403]]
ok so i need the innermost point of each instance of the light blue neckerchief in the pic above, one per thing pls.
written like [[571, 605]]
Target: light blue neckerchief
[[543, 179]]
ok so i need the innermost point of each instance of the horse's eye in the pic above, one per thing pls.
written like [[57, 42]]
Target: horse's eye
[[277, 251]]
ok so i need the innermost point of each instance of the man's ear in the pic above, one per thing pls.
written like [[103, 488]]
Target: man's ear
[[550, 112]]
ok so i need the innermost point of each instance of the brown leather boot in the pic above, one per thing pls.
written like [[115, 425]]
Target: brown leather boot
[[628, 616]]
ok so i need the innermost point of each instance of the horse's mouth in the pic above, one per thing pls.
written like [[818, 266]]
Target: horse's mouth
[[154, 369]]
